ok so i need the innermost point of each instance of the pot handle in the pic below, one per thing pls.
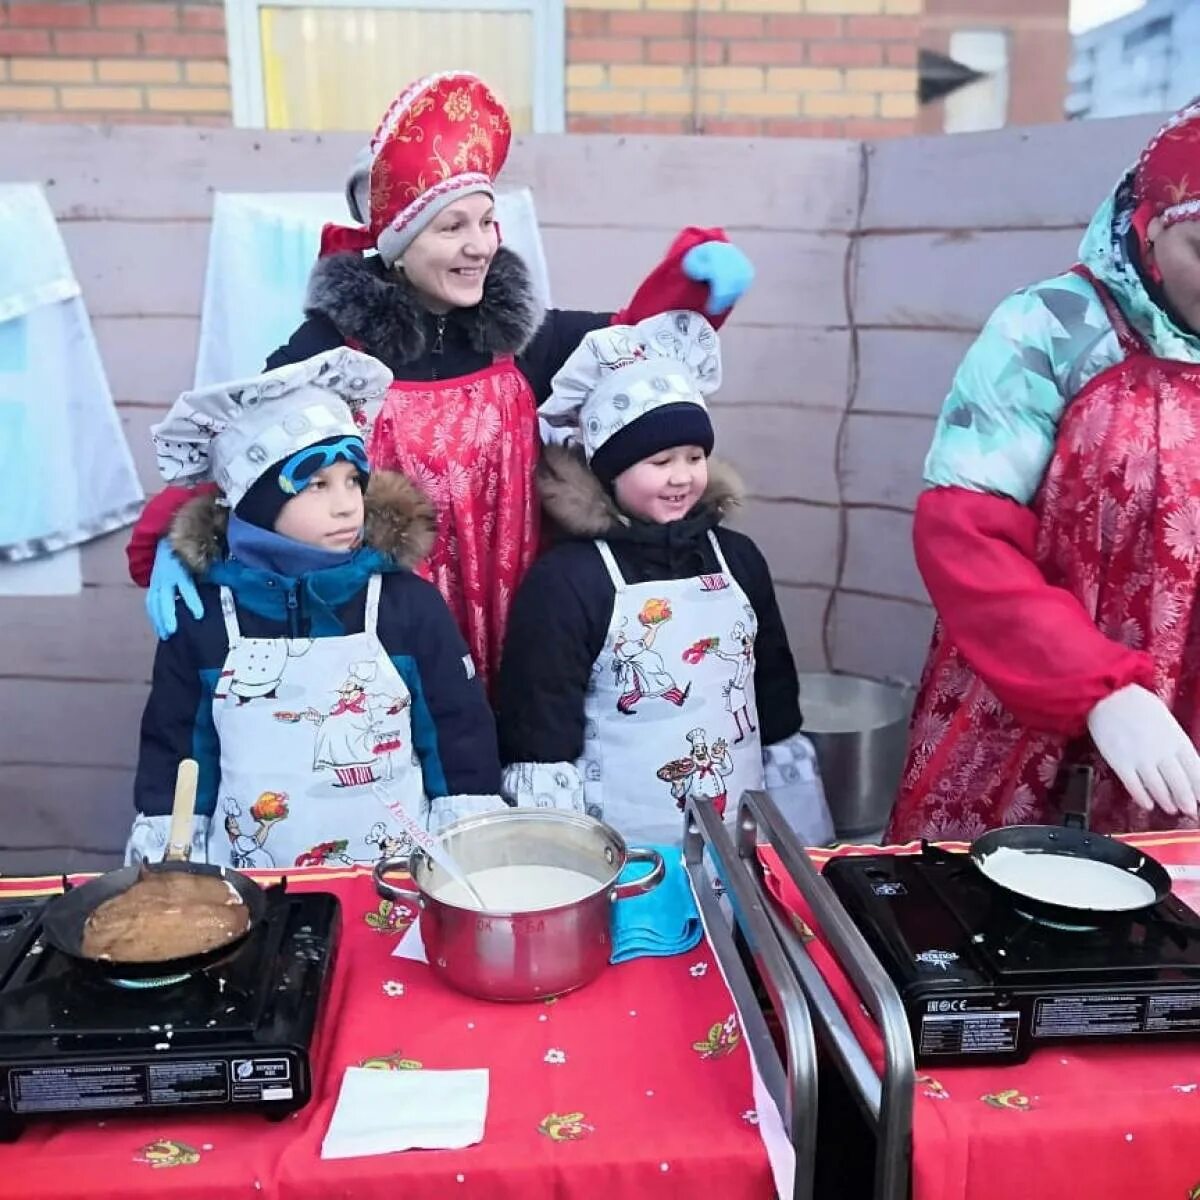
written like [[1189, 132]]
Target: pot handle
[[389, 891], [643, 884]]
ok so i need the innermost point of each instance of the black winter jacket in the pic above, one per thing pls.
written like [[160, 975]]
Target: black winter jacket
[[561, 614], [453, 732]]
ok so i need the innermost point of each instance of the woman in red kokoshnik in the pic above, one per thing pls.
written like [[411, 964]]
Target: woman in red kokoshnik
[[1059, 535], [424, 285]]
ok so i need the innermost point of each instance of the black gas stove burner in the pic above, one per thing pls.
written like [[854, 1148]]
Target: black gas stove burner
[[984, 981], [231, 1035]]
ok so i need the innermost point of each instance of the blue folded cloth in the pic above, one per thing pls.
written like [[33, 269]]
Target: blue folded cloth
[[662, 921]]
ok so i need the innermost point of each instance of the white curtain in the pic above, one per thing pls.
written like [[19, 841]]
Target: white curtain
[[66, 474]]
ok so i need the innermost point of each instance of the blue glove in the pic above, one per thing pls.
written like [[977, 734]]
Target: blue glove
[[170, 580], [726, 270]]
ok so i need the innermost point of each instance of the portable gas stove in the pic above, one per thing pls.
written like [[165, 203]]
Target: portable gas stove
[[234, 1035], [983, 982]]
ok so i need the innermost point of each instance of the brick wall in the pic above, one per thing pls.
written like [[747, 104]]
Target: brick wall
[[156, 61], [814, 68]]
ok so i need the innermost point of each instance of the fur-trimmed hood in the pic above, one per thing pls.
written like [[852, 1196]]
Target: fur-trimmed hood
[[400, 522], [382, 312], [580, 505]]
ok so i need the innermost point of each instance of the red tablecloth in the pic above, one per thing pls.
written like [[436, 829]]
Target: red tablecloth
[[1116, 1120], [637, 1086]]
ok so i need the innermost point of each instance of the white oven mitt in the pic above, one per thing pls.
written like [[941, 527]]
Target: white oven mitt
[[1146, 746], [379, 1112]]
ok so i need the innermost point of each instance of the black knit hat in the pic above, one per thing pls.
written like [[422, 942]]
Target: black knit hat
[[664, 428], [263, 503]]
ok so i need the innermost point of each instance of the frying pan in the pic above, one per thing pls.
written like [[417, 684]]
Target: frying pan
[[1076, 843], [64, 916]]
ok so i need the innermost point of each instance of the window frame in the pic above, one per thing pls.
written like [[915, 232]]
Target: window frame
[[1155, 29], [1004, 37], [244, 33]]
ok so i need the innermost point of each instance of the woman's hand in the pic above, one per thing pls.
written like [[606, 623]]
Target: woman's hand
[[726, 270], [1153, 757], [170, 580]]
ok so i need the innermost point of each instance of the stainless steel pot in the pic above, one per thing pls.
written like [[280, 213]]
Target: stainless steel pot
[[859, 728], [523, 955]]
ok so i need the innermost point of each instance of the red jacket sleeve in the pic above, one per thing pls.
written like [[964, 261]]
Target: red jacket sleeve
[[152, 527], [1032, 643], [667, 287]]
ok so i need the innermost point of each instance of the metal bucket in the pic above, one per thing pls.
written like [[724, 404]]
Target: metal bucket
[[860, 730]]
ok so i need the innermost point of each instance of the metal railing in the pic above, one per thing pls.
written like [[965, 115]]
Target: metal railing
[[791, 1078], [886, 1101]]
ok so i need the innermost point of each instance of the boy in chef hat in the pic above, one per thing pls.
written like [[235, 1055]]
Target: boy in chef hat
[[306, 580], [650, 621]]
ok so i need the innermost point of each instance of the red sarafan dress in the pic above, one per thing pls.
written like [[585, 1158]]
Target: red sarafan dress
[[471, 444], [1116, 525]]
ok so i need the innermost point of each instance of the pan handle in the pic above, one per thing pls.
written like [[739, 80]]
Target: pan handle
[[1077, 795], [183, 811]]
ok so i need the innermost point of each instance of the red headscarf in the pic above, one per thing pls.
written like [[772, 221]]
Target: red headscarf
[[1166, 182]]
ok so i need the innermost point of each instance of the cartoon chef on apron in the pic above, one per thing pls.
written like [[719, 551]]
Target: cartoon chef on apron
[[256, 669], [710, 769], [356, 737]]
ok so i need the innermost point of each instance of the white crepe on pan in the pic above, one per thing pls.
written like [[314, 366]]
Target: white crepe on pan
[[1067, 881]]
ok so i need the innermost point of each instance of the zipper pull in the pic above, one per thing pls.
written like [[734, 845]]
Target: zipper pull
[[293, 621], [439, 343]]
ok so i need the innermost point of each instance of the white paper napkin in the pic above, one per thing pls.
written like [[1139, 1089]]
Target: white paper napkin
[[379, 1112], [411, 945]]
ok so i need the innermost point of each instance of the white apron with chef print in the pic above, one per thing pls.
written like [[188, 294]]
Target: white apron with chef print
[[670, 709], [316, 742]]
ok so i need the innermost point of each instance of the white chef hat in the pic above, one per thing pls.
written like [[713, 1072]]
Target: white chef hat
[[630, 391], [232, 432]]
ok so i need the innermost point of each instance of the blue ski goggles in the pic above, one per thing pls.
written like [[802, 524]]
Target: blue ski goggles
[[296, 474]]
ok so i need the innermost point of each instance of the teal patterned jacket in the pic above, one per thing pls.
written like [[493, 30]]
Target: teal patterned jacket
[[1044, 343]]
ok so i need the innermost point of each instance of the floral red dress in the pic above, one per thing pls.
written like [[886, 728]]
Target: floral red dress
[[1118, 527], [470, 444]]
